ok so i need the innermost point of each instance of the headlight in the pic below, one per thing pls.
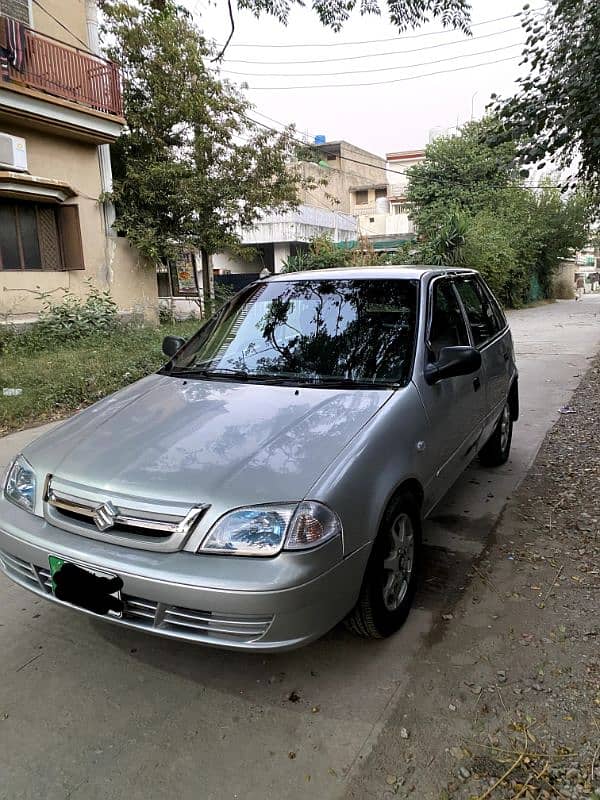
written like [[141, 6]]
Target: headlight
[[266, 530], [20, 484]]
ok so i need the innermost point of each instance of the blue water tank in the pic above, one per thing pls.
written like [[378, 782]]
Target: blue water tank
[[320, 139]]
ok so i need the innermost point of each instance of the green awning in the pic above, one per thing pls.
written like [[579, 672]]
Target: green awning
[[382, 244]]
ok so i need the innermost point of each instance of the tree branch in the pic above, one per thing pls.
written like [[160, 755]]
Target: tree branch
[[220, 55]]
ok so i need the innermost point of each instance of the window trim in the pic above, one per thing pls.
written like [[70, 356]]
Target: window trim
[[69, 238], [429, 315]]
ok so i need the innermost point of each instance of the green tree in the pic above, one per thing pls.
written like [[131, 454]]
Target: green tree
[[472, 209], [459, 173], [190, 168], [402, 13], [555, 112]]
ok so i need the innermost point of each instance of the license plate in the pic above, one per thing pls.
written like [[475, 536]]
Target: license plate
[[99, 592]]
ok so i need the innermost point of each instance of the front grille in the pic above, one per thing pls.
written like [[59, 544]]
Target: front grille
[[118, 519], [145, 614], [85, 521]]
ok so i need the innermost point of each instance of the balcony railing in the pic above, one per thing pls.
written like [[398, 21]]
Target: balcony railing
[[69, 73]]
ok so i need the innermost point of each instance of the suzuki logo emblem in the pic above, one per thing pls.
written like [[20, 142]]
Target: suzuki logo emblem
[[105, 516]]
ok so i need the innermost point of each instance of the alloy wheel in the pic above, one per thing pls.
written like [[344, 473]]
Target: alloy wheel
[[398, 565], [504, 427]]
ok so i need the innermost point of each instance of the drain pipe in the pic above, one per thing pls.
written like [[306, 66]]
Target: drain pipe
[[103, 149]]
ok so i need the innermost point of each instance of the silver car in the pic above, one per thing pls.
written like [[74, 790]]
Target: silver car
[[270, 480]]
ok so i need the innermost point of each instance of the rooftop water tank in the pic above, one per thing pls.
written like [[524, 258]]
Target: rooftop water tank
[[320, 139]]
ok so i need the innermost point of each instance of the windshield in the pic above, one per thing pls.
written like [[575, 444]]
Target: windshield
[[311, 332]]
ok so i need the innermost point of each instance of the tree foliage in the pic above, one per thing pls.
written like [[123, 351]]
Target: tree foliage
[[459, 173], [191, 167], [402, 13], [324, 253], [472, 209], [555, 112]]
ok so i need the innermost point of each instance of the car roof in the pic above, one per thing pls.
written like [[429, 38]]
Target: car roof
[[396, 271]]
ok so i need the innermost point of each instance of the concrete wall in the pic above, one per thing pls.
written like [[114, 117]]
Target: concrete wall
[[235, 264], [342, 173], [72, 13], [388, 224], [110, 262]]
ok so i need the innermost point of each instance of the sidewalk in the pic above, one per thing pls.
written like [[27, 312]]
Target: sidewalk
[[505, 701]]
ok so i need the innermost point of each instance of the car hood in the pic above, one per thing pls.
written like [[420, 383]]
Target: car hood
[[206, 441]]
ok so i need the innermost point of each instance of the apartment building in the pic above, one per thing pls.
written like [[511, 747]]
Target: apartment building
[[60, 107]]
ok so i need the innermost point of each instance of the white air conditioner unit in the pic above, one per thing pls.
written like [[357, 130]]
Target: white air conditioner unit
[[13, 153]]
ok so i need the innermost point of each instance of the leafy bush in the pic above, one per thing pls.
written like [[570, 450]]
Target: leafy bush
[[324, 253], [73, 318], [563, 290]]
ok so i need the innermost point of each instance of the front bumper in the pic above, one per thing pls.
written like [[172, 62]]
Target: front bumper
[[265, 604]]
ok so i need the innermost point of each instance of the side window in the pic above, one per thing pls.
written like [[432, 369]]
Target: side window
[[496, 308], [447, 327], [482, 319]]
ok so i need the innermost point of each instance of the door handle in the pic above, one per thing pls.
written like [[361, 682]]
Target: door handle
[[476, 384]]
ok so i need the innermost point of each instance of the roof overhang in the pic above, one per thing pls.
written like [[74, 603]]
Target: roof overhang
[[405, 155], [54, 113], [365, 186], [22, 186]]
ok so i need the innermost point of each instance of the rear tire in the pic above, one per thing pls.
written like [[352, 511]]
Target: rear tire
[[496, 450], [390, 579]]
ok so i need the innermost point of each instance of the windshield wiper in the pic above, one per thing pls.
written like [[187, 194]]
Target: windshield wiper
[[340, 382], [229, 374]]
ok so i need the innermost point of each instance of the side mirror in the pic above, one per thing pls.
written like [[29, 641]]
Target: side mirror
[[171, 344], [453, 361]]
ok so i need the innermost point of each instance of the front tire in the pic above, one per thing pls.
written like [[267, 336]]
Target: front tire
[[496, 450], [390, 579]]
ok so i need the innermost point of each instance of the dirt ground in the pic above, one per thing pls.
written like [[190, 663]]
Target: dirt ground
[[505, 700]]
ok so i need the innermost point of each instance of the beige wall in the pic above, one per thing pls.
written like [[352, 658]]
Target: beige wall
[[109, 261], [72, 13], [342, 174], [235, 264]]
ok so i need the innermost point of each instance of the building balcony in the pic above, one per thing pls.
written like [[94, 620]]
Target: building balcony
[[56, 84]]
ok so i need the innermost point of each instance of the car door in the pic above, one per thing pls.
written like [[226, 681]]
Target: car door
[[491, 337], [455, 407]]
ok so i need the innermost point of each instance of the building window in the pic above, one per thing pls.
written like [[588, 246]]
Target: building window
[[399, 208], [380, 193], [34, 236], [17, 9], [361, 198]]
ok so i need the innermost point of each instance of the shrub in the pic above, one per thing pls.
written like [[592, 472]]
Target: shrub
[[563, 290], [73, 318]]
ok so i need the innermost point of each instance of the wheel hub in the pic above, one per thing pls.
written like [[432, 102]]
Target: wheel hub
[[504, 427], [399, 563]]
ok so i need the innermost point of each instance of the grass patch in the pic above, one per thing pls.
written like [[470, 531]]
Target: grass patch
[[59, 379]]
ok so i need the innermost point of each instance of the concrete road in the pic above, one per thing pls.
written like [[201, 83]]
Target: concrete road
[[90, 711]]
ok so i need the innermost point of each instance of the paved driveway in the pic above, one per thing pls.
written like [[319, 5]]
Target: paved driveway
[[90, 711]]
